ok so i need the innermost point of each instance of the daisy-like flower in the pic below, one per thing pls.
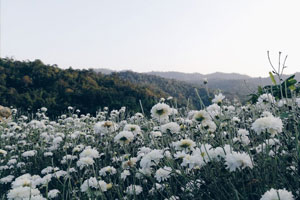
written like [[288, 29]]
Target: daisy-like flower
[[163, 173], [237, 160], [171, 127], [29, 153], [134, 190], [89, 152], [85, 161], [92, 183], [3, 152], [184, 144], [135, 129], [270, 124], [281, 194], [124, 137], [218, 98], [105, 127], [161, 112], [201, 115], [107, 170], [53, 193], [124, 174]]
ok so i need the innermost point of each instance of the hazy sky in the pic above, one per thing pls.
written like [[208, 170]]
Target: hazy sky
[[202, 36]]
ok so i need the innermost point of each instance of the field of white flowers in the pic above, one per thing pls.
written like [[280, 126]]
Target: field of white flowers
[[224, 151]]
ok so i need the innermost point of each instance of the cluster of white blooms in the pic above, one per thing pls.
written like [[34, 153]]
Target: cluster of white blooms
[[93, 183], [134, 190], [281, 194], [236, 160], [271, 124], [173, 154]]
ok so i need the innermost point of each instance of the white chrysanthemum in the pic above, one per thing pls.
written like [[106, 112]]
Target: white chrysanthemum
[[3, 152], [156, 133], [236, 160], [243, 132], [161, 112], [214, 110], [105, 127], [265, 98], [273, 194], [184, 144], [129, 163], [201, 115], [107, 170], [134, 190], [85, 161], [124, 174], [29, 153], [24, 193], [124, 137], [209, 125], [218, 98], [92, 183], [89, 152], [163, 174], [7, 179], [53, 193], [171, 127], [135, 129], [152, 158], [271, 124]]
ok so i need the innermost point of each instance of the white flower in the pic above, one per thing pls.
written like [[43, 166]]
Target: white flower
[[105, 127], [214, 110], [161, 112], [85, 161], [134, 190], [3, 152], [163, 173], [24, 193], [236, 160], [7, 179], [201, 115], [124, 137], [29, 153], [171, 127], [271, 124], [277, 195], [53, 193], [92, 183], [184, 144], [156, 133], [89, 152], [151, 158], [124, 174], [107, 170], [135, 129], [218, 98]]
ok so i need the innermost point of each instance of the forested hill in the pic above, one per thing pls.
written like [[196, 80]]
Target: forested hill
[[182, 91], [30, 85]]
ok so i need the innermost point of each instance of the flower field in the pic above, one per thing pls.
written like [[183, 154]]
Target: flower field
[[224, 151]]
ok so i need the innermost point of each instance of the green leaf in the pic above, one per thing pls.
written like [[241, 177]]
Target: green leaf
[[272, 78]]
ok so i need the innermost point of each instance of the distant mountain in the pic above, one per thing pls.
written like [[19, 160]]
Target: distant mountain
[[182, 91], [231, 84], [193, 77], [104, 71]]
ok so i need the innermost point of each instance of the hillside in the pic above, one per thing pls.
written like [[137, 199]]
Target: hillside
[[30, 85], [182, 91]]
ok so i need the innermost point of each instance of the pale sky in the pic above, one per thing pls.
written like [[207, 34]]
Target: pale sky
[[202, 36]]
